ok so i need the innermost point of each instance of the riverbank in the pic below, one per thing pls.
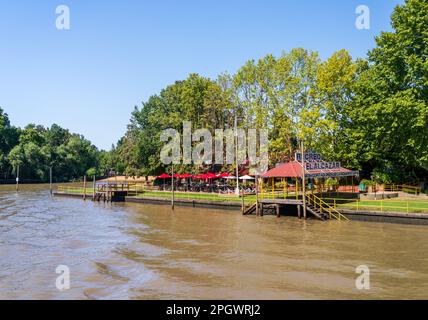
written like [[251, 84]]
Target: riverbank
[[236, 205]]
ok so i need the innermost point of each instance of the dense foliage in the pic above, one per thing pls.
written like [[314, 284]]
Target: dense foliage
[[35, 149], [369, 114]]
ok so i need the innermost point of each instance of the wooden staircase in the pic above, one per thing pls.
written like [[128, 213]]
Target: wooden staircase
[[317, 212], [98, 196], [322, 210], [250, 209]]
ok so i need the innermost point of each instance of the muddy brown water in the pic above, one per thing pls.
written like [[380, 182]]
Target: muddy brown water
[[136, 251]]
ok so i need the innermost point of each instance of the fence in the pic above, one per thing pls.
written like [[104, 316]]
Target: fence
[[389, 205], [408, 188], [146, 191]]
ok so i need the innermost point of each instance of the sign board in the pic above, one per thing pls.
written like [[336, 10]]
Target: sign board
[[322, 165], [332, 174], [309, 156]]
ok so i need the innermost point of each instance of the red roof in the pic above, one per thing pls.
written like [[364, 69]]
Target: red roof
[[293, 169], [287, 170]]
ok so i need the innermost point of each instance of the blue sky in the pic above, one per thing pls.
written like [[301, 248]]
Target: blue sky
[[117, 53]]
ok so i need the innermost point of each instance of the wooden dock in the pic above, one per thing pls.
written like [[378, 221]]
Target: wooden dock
[[260, 207], [274, 204]]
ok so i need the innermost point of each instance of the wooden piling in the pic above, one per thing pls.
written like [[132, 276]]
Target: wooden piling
[[277, 211], [17, 178], [298, 212], [303, 180], [257, 196], [84, 187], [50, 180], [172, 188], [243, 202], [93, 190]]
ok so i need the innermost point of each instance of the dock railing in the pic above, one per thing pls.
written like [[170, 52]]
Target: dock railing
[[147, 191], [408, 188], [73, 189], [388, 205], [279, 190], [324, 208]]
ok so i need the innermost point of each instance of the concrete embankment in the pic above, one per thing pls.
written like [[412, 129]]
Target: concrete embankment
[[390, 217], [189, 203]]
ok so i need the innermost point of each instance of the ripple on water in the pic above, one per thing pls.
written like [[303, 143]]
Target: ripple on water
[[132, 251]]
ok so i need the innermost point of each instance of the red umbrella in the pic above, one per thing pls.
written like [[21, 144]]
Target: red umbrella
[[223, 175], [211, 175], [164, 176], [186, 176]]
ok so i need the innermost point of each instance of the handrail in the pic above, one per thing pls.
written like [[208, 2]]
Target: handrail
[[402, 187], [325, 207], [383, 204]]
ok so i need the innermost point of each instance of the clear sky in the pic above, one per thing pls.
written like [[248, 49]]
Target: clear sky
[[117, 53]]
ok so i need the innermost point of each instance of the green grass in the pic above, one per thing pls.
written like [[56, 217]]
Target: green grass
[[411, 206], [76, 190], [197, 196]]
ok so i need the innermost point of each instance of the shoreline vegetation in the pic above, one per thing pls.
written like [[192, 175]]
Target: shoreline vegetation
[[370, 114]]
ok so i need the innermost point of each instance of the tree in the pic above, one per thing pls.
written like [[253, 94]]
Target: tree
[[35, 149], [335, 80], [9, 136], [390, 109]]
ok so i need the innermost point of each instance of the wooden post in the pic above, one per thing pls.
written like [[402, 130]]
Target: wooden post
[[243, 201], [17, 178], [277, 211], [172, 187], [286, 188], [283, 187], [84, 187], [298, 212], [261, 209], [303, 180], [93, 190], [257, 195], [273, 188], [106, 191], [297, 188], [50, 180]]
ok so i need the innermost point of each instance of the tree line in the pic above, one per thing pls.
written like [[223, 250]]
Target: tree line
[[35, 149], [370, 114]]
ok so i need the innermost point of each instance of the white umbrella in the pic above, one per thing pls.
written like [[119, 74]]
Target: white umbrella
[[230, 177], [246, 178]]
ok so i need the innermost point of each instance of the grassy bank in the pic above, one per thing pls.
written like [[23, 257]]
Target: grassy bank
[[387, 205]]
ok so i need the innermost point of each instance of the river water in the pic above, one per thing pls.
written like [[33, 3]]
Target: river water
[[136, 251]]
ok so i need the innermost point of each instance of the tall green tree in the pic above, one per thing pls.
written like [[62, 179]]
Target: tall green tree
[[9, 137], [391, 98]]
